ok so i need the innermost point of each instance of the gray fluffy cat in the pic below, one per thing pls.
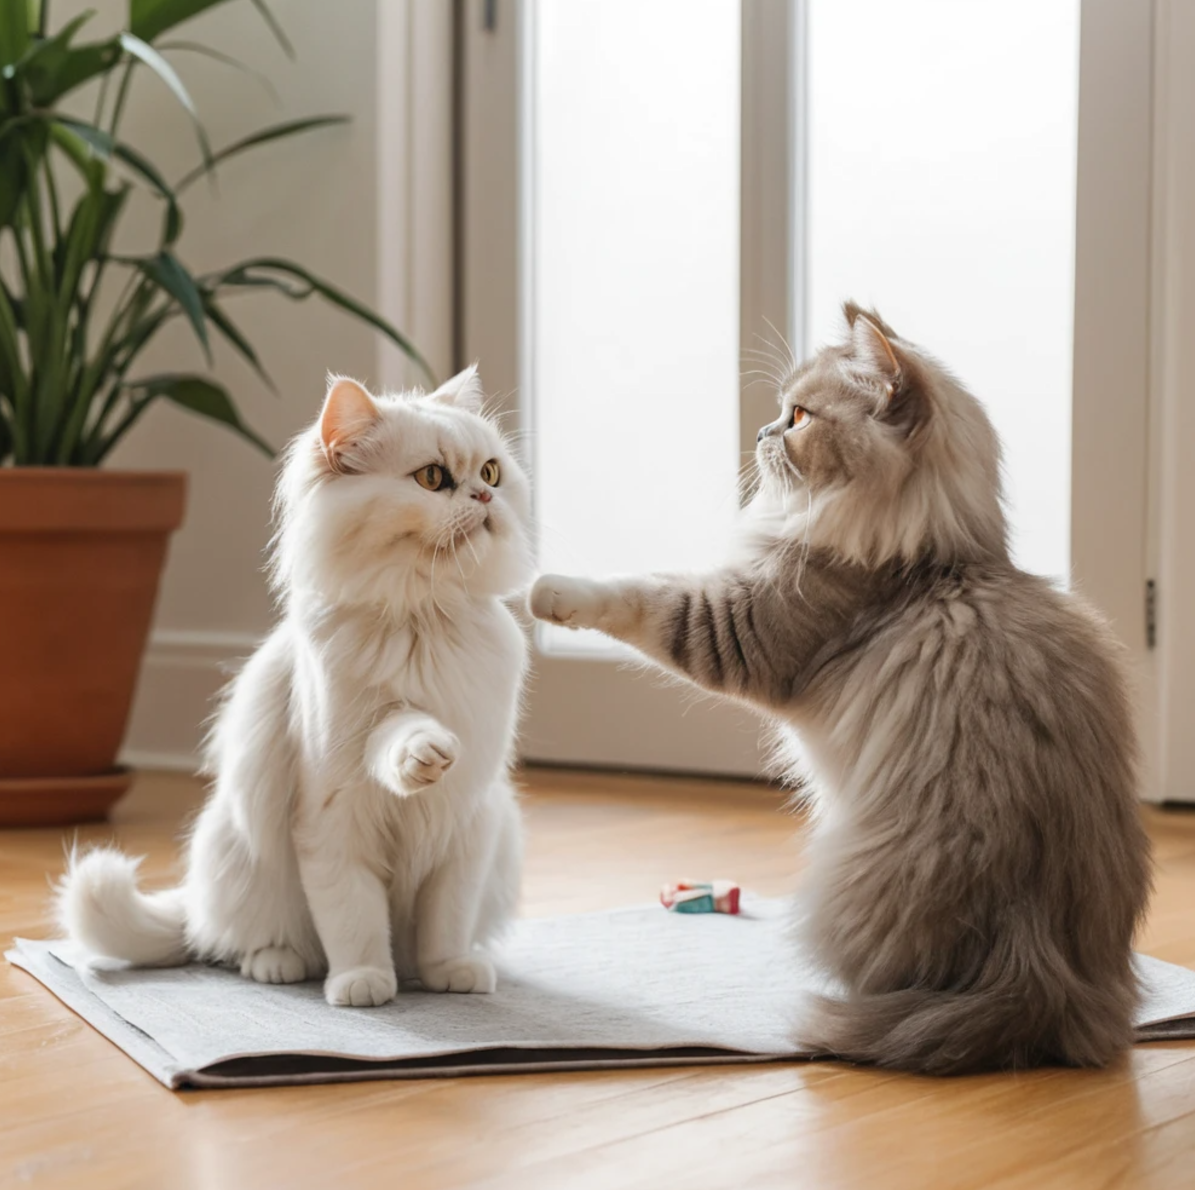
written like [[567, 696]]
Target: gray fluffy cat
[[978, 866]]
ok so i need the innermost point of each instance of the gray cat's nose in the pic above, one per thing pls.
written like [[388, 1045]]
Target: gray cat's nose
[[763, 433]]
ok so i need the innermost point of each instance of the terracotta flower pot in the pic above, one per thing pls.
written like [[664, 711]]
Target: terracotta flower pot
[[81, 553]]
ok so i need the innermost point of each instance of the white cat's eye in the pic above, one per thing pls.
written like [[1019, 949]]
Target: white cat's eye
[[801, 418], [491, 473], [433, 477]]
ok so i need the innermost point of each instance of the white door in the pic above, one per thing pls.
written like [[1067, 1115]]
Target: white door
[[659, 196]]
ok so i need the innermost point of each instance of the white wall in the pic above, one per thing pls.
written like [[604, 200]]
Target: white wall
[[339, 201]]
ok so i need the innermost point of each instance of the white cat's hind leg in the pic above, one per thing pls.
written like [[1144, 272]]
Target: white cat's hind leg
[[274, 964], [248, 905], [245, 903]]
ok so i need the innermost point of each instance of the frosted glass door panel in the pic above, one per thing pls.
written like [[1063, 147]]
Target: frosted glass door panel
[[631, 282], [941, 188]]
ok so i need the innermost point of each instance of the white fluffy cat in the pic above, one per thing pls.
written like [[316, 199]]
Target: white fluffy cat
[[362, 822]]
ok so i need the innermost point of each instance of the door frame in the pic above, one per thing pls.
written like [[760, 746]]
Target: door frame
[[1113, 540]]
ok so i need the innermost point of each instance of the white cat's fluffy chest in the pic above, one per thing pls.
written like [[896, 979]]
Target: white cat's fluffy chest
[[466, 673]]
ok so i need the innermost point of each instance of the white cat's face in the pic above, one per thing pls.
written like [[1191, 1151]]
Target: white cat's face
[[393, 498]]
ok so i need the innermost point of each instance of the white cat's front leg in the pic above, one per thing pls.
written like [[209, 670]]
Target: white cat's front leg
[[409, 751], [352, 916], [446, 921]]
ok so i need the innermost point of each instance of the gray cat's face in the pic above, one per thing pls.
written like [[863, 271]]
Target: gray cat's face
[[880, 453], [847, 412]]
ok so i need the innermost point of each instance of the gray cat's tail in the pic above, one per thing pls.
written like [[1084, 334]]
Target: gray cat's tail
[[102, 908], [1000, 1027]]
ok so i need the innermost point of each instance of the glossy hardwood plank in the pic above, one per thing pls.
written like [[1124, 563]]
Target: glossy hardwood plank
[[75, 1112]]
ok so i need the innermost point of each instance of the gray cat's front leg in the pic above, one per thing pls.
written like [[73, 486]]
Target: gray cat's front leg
[[703, 627], [613, 607]]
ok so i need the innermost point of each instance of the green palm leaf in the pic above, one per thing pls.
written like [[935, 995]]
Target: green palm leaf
[[14, 31], [148, 18], [194, 47], [105, 146], [197, 394], [51, 66], [146, 53], [68, 340], [275, 28], [261, 137], [298, 284], [234, 336], [168, 274]]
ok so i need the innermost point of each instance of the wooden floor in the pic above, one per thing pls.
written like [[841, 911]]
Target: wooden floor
[[76, 1112]]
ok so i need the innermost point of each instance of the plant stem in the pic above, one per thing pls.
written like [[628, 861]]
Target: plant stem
[[52, 191], [101, 98], [102, 446], [122, 95], [94, 373]]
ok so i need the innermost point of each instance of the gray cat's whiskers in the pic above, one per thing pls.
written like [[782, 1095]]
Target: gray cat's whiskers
[[793, 362]]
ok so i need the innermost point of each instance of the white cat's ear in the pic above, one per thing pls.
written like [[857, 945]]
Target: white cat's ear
[[463, 390], [349, 412]]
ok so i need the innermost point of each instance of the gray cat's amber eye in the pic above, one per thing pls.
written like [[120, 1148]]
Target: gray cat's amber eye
[[801, 417], [491, 473], [432, 477]]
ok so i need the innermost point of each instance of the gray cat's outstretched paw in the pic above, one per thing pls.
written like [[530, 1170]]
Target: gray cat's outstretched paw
[[561, 600]]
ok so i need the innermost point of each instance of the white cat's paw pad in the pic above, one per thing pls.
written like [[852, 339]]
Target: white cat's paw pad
[[274, 964], [426, 755], [470, 973], [360, 987], [557, 599]]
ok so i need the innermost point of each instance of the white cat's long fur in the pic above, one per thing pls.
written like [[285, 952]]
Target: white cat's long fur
[[361, 821]]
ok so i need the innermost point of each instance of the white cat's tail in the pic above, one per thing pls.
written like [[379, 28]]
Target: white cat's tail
[[103, 910]]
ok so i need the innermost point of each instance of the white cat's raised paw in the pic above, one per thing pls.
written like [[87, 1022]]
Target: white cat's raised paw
[[274, 964], [469, 973], [425, 756], [360, 987], [562, 600]]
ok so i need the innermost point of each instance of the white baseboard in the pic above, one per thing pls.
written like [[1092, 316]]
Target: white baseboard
[[181, 676], [168, 762]]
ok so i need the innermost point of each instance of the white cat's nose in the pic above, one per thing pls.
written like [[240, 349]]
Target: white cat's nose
[[484, 496]]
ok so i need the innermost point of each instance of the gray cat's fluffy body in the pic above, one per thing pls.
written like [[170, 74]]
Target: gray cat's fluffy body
[[977, 866]]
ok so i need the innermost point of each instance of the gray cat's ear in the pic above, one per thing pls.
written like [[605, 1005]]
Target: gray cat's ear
[[463, 390], [349, 412], [874, 352]]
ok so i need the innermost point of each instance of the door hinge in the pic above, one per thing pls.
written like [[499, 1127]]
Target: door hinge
[[1151, 613]]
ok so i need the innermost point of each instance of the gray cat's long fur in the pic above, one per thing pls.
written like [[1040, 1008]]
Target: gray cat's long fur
[[978, 865]]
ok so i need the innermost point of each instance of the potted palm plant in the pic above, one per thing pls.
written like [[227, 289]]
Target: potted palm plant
[[82, 546]]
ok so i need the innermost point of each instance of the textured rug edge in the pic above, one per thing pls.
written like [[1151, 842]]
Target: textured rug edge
[[67, 987]]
